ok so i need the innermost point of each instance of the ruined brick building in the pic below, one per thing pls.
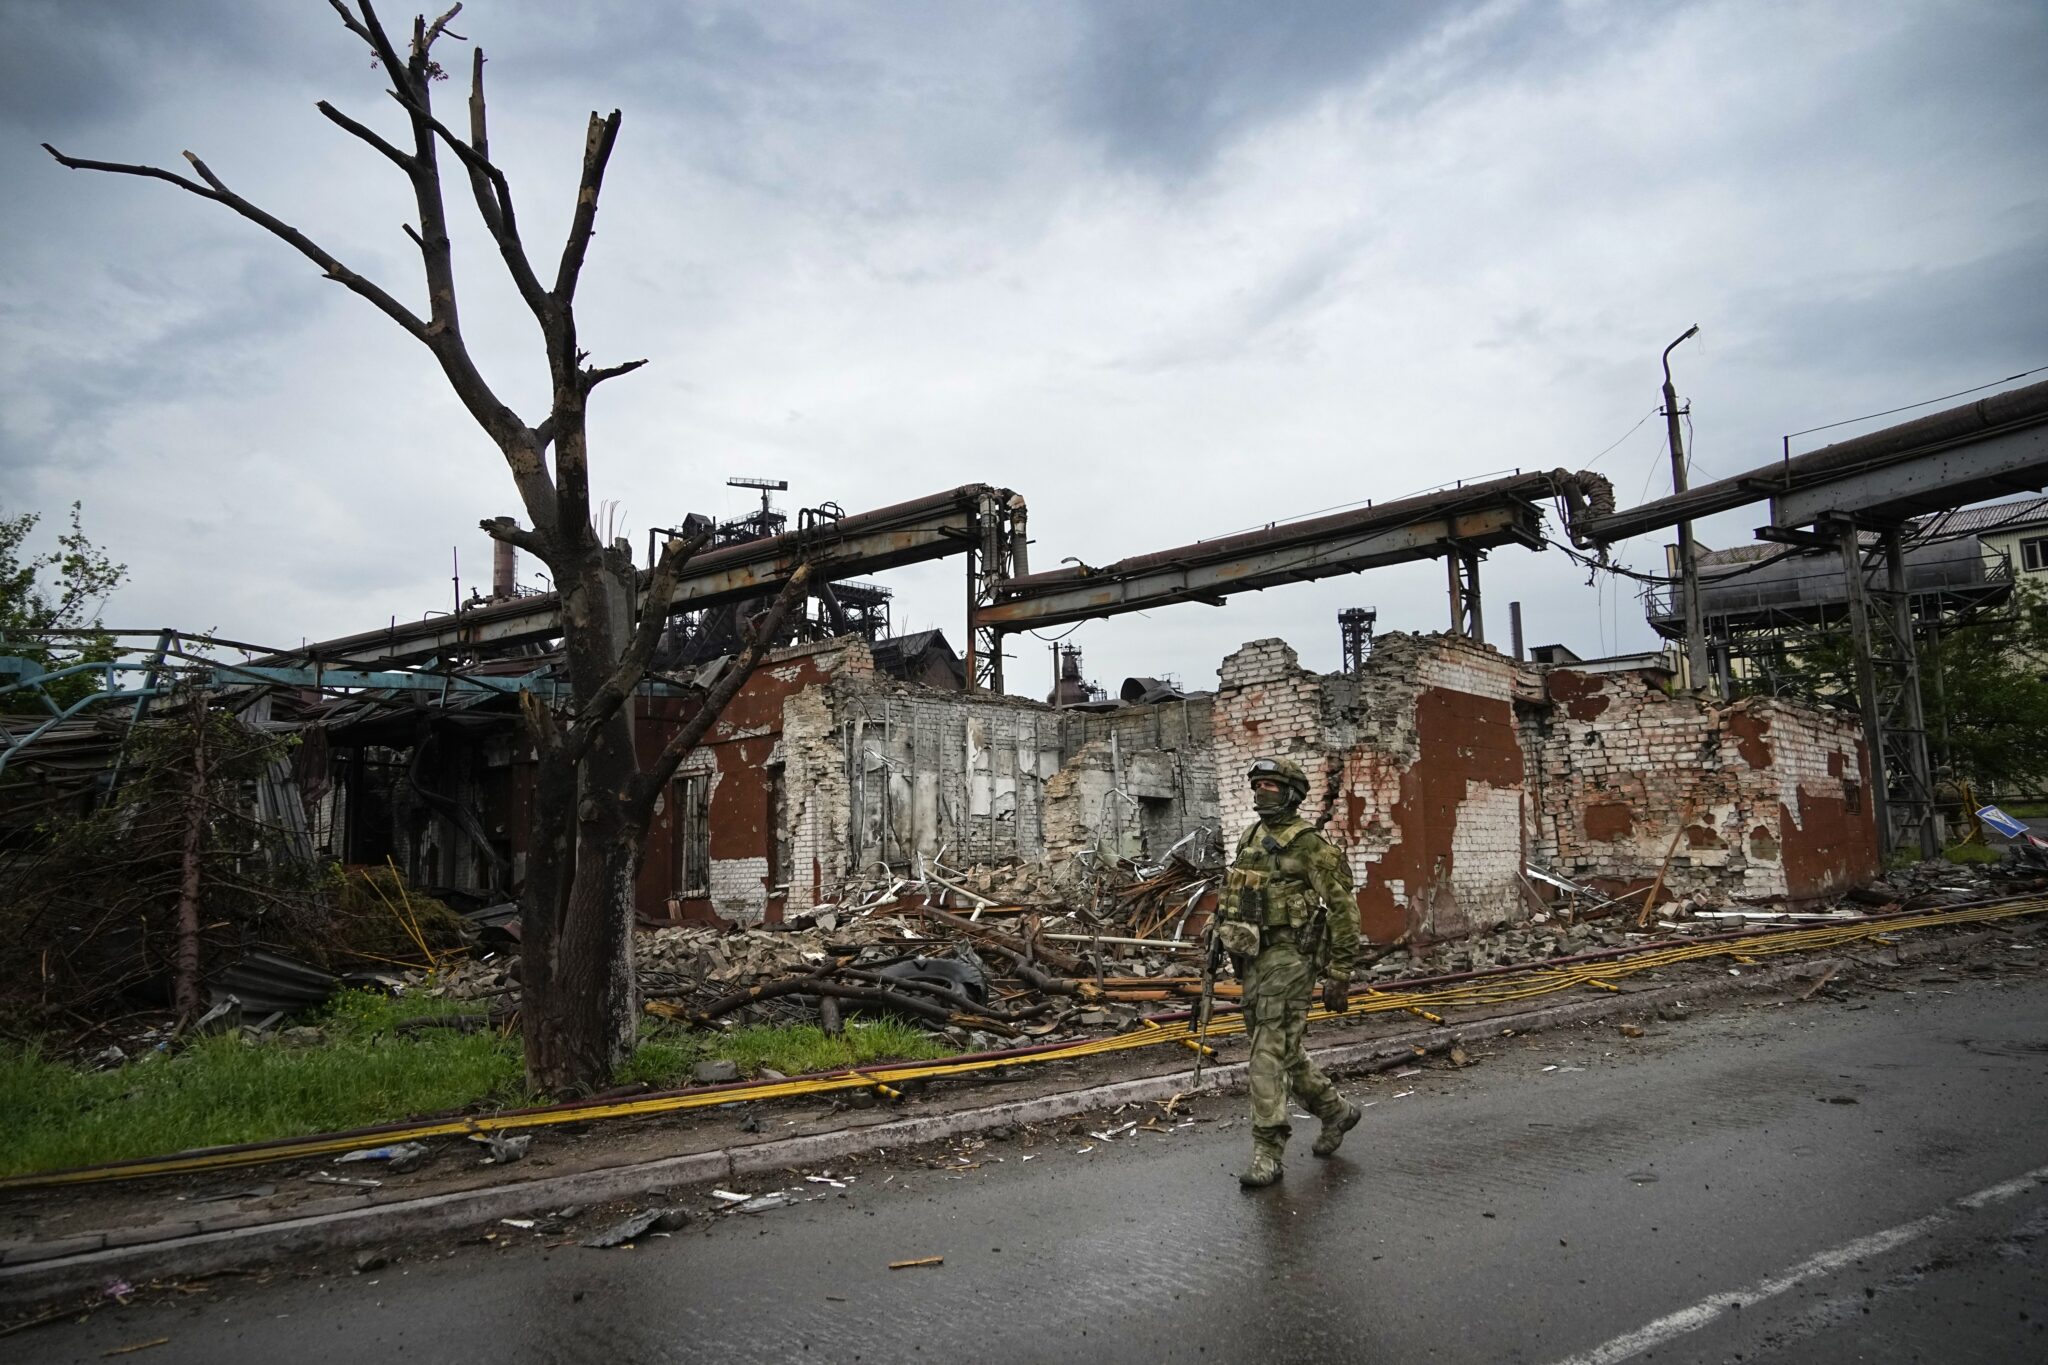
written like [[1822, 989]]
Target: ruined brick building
[[1440, 766]]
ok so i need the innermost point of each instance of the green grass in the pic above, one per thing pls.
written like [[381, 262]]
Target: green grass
[[2024, 810], [1972, 853], [666, 1055], [225, 1090]]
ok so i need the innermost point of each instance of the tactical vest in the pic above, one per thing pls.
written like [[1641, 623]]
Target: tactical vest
[[1267, 886]]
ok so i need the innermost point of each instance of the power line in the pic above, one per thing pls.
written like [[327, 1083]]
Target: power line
[[1624, 436], [1959, 393]]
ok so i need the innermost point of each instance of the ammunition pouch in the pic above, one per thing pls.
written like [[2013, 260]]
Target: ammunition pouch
[[1240, 938], [1244, 896]]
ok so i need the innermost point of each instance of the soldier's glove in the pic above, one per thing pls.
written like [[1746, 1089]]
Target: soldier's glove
[[1337, 996]]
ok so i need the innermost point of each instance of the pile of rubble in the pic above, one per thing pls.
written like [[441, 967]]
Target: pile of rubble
[[1940, 882], [996, 955]]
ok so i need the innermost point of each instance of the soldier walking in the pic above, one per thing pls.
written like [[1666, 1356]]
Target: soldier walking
[[1288, 916]]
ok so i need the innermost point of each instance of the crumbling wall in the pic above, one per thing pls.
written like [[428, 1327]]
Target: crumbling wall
[[879, 773], [740, 758], [1758, 800], [1415, 769]]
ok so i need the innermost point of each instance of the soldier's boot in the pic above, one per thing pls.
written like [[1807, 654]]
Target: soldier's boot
[[1265, 1168], [1335, 1127]]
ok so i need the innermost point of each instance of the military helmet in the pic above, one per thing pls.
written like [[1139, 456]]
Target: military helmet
[[1285, 771]]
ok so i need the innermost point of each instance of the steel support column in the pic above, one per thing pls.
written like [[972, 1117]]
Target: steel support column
[[998, 555], [1888, 693], [1913, 809], [1461, 567]]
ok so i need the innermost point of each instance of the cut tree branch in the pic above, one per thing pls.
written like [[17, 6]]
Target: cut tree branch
[[597, 151], [508, 530], [367, 134], [494, 199], [435, 29], [540, 722], [593, 377]]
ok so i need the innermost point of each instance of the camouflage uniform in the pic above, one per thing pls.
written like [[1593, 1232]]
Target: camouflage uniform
[[1294, 888]]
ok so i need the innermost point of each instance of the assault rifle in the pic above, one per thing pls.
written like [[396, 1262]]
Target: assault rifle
[[1212, 959]]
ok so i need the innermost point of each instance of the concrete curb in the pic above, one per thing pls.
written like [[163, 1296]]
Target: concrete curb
[[79, 1264]]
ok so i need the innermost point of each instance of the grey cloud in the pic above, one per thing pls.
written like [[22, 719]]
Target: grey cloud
[[68, 67], [1164, 85], [1977, 316]]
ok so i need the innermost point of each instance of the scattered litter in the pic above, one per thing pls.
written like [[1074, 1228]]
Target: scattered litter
[[1631, 1030], [761, 1203], [715, 1072], [637, 1225], [138, 1346], [1404, 1094], [826, 1180], [1551, 1067], [504, 1150], [322, 1178], [1400, 1076], [367, 1261], [731, 1196], [920, 1261], [118, 1289], [521, 1223], [402, 1156], [1083, 1151], [1029, 1156]]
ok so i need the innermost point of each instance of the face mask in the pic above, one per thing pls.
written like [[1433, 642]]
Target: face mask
[[1268, 802]]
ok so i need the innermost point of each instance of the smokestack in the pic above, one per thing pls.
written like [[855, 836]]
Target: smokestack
[[1515, 628], [504, 569]]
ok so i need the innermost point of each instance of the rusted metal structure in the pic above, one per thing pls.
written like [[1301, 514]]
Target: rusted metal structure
[[933, 527], [1460, 524], [1834, 499]]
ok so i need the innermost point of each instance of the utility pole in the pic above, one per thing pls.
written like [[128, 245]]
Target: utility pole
[[1697, 675]]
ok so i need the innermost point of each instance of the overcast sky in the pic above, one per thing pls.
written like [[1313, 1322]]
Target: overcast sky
[[1168, 270]]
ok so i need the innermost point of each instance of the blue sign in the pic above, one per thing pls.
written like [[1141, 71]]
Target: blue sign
[[2003, 823]]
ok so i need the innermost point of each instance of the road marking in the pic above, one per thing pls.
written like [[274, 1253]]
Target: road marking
[[1876, 1244]]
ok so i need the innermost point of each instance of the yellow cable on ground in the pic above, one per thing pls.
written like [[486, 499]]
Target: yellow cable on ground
[[1478, 993]]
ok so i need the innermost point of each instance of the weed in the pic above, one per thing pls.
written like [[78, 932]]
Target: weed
[[231, 1089], [666, 1054]]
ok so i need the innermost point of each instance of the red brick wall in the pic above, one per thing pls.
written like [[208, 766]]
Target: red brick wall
[[1758, 800]]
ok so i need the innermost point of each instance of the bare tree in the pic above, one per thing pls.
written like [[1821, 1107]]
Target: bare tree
[[593, 797]]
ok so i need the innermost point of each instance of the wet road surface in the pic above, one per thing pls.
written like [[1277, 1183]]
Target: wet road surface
[[1804, 1183]]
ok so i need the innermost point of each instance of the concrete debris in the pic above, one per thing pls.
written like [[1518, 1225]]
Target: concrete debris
[[637, 1225], [1937, 882]]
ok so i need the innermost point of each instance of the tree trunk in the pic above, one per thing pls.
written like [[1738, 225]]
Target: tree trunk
[[579, 1005], [185, 991]]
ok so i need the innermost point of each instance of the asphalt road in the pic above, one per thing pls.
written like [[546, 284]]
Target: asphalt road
[[1805, 1183]]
